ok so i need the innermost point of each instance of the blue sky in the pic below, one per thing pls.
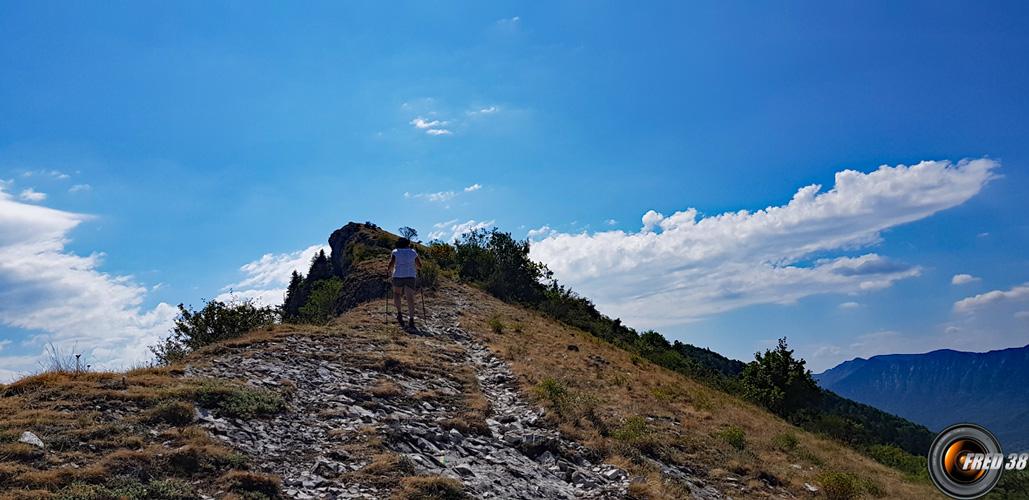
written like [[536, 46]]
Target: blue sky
[[150, 150]]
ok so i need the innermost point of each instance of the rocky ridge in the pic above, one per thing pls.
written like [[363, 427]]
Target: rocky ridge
[[311, 445]]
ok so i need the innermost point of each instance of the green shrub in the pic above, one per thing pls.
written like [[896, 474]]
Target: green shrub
[[232, 400], [428, 276], [496, 325], [779, 382], [320, 305], [734, 436], [839, 485], [552, 390], [786, 441], [217, 321], [913, 466], [177, 413]]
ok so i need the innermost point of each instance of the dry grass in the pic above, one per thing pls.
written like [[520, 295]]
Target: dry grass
[[694, 425], [95, 427], [430, 488]]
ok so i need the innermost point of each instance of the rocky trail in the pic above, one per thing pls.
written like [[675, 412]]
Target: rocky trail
[[350, 393]]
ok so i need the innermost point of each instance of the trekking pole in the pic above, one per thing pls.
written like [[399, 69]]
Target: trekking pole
[[421, 289]]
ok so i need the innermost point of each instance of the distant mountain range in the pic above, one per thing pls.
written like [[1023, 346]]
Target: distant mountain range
[[944, 387]]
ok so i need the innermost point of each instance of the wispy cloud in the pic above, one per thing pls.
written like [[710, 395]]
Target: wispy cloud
[[80, 188], [442, 196], [29, 194], [610, 222], [56, 174], [431, 127], [849, 305], [685, 266], [439, 196], [488, 110], [451, 231]]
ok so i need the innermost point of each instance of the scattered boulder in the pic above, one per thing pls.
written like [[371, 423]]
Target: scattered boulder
[[32, 439]]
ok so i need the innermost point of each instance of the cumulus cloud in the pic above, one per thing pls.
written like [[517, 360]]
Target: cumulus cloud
[[961, 279], [684, 266], [29, 194], [265, 279], [64, 298], [451, 231], [473, 187], [1014, 294]]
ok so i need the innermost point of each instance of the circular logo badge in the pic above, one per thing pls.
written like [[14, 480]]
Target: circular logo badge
[[965, 461]]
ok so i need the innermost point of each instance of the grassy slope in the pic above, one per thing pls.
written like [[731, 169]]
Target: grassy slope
[[683, 416], [108, 424]]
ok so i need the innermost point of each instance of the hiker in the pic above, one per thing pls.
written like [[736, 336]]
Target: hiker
[[403, 267]]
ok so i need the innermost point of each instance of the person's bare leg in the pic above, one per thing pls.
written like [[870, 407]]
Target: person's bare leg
[[396, 302], [410, 301]]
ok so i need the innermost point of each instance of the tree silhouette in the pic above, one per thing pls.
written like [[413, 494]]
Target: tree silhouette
[[409, 232]]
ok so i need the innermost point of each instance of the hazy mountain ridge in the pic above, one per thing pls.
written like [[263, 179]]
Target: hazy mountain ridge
[[943, 387]]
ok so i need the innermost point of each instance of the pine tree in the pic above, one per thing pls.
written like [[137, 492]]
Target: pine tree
[[321, 268], [291, 304]]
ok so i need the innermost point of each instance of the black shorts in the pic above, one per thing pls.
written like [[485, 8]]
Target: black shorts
[[399, 283]]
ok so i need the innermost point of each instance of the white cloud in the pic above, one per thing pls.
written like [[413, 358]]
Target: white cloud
[[456, 230], [439, 196], [961, 279], [56, 174], [78, 188], [610, 222], [1016, 293], [29, 194], [431, 127], [539, 232], [64, 298], [683, 267], [265, 279], [488, 110], [849, 305], [422, 123]]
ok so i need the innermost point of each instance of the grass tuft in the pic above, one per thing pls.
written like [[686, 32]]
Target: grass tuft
[[430, 488], [237, 401]]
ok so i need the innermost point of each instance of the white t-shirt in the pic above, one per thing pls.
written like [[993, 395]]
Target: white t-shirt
[[404, 263]]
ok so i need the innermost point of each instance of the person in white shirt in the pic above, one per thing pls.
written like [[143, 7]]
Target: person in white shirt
[[403, 268]]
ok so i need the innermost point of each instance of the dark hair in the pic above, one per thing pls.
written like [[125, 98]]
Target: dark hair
[[403, 243]]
